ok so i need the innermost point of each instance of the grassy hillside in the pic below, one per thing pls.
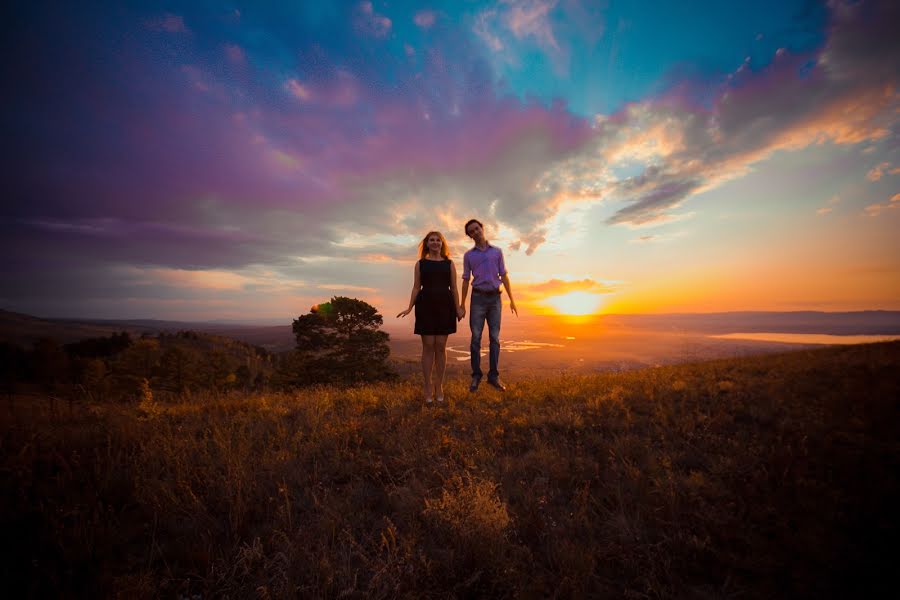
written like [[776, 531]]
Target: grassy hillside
[[763, 477]]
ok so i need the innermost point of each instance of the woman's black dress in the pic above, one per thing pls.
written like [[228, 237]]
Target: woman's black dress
[[435, 310]]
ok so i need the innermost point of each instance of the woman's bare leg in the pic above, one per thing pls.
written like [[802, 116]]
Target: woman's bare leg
[[440, 364], [427, 363]]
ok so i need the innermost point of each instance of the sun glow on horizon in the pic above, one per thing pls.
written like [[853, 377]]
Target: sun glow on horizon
[[575, 304]]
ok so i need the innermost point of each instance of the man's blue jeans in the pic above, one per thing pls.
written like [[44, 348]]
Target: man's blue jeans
[[485, 307]]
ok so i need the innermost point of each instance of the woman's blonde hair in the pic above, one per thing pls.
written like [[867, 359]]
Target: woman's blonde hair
[[423, 245]]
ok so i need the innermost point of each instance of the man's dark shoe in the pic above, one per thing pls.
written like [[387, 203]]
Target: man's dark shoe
[[496, 383], [473, 387]]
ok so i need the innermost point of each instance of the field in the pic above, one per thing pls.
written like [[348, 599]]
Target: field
[[770, 476]]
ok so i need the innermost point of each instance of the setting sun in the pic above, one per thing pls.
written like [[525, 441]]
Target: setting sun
[[575, 303]]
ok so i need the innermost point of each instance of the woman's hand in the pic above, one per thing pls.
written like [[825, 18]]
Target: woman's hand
[[460, 312], [404, 313]]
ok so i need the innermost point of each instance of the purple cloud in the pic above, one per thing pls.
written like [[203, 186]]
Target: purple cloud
[[846, 94], [235, 53], [370, 22], [425, 18], [170, 155]]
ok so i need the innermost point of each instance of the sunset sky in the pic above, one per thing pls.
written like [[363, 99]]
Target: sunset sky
[[204, 160]]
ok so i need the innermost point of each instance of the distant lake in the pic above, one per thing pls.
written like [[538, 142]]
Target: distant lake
[[808, 338], [504, 347]]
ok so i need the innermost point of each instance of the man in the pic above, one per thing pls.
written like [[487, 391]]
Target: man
[[484, 265]]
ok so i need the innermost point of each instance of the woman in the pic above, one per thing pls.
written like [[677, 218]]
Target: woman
[[436, 299]]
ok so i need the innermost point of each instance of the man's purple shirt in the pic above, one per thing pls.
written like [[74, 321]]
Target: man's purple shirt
[[485, 266]]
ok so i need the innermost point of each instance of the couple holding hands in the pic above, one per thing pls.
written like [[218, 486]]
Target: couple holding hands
[[439, 306]]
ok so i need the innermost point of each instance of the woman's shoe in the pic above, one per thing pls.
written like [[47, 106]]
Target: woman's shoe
[[428, 400], [439, 399]]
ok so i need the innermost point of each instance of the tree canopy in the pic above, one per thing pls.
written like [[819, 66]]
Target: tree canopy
[[340, 342]]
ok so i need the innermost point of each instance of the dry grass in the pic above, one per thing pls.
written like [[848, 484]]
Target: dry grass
[[764, 477]]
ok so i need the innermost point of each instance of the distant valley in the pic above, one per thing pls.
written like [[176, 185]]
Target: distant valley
[[531, 344]]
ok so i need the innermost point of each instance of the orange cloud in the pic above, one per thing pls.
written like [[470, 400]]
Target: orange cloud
[[852, 99], [337, 287], [873, 210], [555, 287], [298, 90], [211, 280], [379, 258], [829, 206], [877, 171]]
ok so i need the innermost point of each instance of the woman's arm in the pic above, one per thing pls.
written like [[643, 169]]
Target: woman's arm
[[415, 292], [460, 311]]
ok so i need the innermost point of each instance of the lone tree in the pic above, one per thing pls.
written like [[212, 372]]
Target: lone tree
[[340, 342]]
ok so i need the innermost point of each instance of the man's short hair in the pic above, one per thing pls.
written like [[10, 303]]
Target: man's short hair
[[469, 222]]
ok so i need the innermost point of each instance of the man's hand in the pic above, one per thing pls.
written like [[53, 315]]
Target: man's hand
[[460, 312], [512, 307]]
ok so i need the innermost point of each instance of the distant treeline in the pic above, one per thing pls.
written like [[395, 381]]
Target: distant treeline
[[117, 367], [338, 342]]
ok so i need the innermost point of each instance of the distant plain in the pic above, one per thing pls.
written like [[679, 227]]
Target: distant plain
[[533, 345]]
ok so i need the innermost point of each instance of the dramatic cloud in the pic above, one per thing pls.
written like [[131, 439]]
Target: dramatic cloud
[[447, 139], [846, 95], [317, 146]]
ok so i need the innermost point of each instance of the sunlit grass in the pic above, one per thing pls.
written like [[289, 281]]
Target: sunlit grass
[[765, 477]]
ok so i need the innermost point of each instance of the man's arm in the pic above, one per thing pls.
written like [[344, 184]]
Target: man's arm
[[512, 303]]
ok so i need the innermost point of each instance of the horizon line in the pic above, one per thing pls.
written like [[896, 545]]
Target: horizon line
[[275, 322]]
